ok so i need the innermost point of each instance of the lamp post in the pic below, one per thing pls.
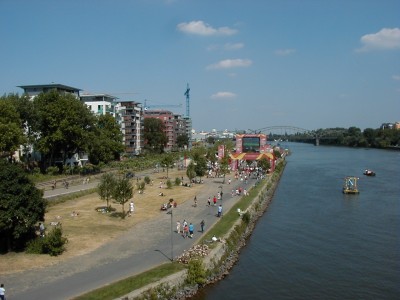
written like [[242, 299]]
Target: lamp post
[[172, 241], [220, 192]]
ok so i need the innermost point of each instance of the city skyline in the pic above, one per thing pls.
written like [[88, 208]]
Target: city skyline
[[249, 64]]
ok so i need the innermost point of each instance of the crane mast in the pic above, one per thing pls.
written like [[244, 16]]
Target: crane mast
[[187, 100]]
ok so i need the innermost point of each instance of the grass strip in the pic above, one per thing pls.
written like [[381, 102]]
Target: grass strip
[[229, 218], [61, 199], [127, 285]]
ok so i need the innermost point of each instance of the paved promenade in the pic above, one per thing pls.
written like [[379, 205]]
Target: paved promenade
[[142, 247]]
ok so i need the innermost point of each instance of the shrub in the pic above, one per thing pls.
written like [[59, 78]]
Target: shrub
[[169, 184], [246, 217], [35, 246], [147, 179], [141, 185], [53, 170], [53, 243], [196, 272], [178, 181]]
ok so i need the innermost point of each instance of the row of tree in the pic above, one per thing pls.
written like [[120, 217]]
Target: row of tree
[[56, 124], [351, 137]]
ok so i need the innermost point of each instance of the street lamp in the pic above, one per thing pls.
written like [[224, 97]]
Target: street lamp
[[220, 193], [172, 241]]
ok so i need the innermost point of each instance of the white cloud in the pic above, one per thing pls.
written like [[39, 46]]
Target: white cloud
[[385, 39], [229, 46], [201, 28], [396, 77], [226, 47], [284, 52], [230, 63], [223, 95]]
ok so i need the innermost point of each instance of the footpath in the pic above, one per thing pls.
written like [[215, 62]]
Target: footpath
[[146, 245]]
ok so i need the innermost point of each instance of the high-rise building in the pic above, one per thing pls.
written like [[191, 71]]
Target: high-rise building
[[129, 115]]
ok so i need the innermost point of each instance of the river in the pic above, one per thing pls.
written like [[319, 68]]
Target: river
[[314, 242]]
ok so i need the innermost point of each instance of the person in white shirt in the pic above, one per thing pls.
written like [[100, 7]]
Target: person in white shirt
[[2, 292]]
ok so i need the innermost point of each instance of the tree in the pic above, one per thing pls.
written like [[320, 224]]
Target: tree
[[154, 135], [182, 140], [106, 142], [190, 171], [167, 162], [200, 166], [21, 207], [122, 193], [264, 164], [210, 140], [224, 166], [63, 125], [11, 133], [26, 111], [106, 187]]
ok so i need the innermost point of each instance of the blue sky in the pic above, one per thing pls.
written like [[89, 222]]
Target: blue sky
[[250, 64]]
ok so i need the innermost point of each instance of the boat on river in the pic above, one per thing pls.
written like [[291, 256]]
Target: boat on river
[[350, 185], [368, 172]]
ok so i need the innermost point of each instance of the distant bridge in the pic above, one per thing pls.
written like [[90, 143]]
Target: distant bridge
[[294, 132]]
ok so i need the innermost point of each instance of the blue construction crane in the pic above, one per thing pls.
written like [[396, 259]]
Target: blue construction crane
[[187, 100]]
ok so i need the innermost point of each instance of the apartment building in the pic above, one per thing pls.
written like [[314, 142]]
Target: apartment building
[[169, 121], [33, 90], [129, 114], [100, 104]]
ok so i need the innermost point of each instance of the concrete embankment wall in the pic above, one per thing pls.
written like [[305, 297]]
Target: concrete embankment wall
[[223, 256]]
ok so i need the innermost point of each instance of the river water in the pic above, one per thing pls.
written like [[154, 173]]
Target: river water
[[314, 242]]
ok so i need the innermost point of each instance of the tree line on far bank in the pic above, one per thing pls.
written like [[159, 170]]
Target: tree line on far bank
[[350, 137]]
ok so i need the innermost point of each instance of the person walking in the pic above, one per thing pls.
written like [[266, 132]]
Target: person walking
[[215, 201], [209, 201], [195, 201], [202, 223], [185, 231], [219, 211], [178, 227], [2, 292]]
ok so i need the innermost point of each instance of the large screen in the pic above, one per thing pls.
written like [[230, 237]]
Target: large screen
[[251, 144]]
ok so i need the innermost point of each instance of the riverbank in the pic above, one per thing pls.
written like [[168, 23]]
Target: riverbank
[[224, 253]]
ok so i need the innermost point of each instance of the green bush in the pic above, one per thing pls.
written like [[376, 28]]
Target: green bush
[[147, 179], [141, 185], [53, 243], [178, 181], [196, 272], [169, 184], [53, 170], [35, 246], [246, 217]]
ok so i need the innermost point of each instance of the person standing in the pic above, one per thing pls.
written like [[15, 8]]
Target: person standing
[[178, 227], [131, 208], [202, 223], [209, 201], [41, 229], [2, 292], [191, 230], [215, 201]]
